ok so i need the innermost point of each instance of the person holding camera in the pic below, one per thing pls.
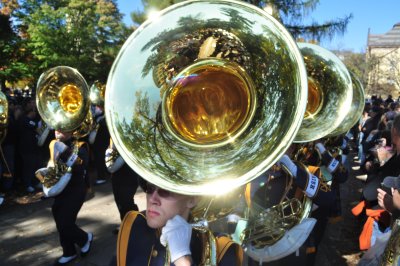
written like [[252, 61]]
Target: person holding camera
[[389, 163], [378, 219], [390, 167]]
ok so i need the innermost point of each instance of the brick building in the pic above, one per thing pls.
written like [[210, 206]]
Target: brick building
[[383, 57]]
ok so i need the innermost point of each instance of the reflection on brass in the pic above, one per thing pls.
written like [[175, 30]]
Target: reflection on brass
[[70, 98], [62, 100], [391, 254], [269, 219], [315, 98], [3, 116], [206, 97], [356, 109], [271, 224], [330, 93], [209, 244], [97, 93], [201, 44], [209, 102], [53, 175], [212, 208], [308, 155]]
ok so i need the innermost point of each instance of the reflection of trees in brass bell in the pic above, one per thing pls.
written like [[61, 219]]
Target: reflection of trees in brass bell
[[211, 131], [70, 98], [315, 98], [209, 103], [203, 43]]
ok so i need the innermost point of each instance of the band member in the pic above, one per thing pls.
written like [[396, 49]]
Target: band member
[[124, 181], [294, 247], [162, 234], [74, 154], [98, 140]]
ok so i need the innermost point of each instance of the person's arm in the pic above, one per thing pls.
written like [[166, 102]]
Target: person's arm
[[385, 201], [183, 261], [383, 155], [77, 162], [396, 198], [113, 160], [334, 166]]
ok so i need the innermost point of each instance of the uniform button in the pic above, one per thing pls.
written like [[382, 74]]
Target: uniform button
[[154, 253]]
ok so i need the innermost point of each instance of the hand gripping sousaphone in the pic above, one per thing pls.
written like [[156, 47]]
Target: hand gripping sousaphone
[[206, 96]]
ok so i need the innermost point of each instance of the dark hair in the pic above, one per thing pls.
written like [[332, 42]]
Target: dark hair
[[396, 123], [394, 105]]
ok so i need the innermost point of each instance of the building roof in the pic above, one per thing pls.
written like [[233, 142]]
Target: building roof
[[389, 39]]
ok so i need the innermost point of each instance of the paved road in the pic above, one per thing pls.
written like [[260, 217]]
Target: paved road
[[28, 235]]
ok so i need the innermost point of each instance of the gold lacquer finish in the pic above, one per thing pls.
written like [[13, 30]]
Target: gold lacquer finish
[[3, 116], [216, 93], [356, 109], [70, 98], [314, 99], [272, 213], [97, 93], [209, 102], [330, 90], [62, 100]]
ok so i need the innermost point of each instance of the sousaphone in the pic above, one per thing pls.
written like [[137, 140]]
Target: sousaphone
[[330, 93], [3, 116], [206, 96], [62, 99], [97, 93], [356, 108]]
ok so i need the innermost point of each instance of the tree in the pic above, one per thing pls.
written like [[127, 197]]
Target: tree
[[138, 17], [384, 71], [289, 12], [84, 34], [12, 52], [355, 62]]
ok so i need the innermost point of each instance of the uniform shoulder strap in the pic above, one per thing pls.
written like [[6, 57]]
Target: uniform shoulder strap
[[223, 245], [315, 170], [83, 143], [124, 235]]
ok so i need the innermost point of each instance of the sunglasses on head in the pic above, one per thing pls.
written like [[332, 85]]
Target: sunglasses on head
[[150, 189]]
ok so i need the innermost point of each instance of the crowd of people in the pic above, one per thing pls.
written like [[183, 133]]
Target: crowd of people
[[164, 227], [26, 147]]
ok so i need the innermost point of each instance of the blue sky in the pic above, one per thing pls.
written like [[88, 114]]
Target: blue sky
[[378, 16]]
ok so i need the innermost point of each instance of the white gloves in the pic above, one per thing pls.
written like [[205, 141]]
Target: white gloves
[[56, 188], [113, 165], [320, 147], [43, 133], [233, 218], [289, 165], [177, 234], [59, 148]]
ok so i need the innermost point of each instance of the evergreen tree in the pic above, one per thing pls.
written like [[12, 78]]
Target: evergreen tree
[[289, 12], [84, 34]]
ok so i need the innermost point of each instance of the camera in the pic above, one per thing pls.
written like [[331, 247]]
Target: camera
[[387, 189]]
